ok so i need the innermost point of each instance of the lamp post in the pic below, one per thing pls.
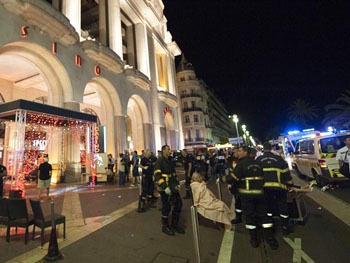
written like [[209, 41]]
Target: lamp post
[[235, 120], [244, 128], [247, 134]]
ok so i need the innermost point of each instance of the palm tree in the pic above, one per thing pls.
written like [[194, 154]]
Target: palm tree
[[302, 112], [338, 114]]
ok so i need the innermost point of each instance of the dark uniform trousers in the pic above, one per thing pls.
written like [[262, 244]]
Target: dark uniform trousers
[[255, 211]]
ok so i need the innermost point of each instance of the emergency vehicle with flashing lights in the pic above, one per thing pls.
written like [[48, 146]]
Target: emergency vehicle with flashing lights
[[289, 140], [315, 158]]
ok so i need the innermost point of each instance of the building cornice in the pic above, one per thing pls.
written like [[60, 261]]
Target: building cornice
[[103, 55], [44, 17], [168, 98], [137, 78]]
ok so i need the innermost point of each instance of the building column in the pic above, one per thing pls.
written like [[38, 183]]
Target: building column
[[142, 55], [71, 158], [72, 10], [115, 27], [102, 22], [147, 131], [120, 134]]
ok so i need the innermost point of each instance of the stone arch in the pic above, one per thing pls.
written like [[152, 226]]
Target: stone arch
[[52, 70], [138, 113], [106, 105]]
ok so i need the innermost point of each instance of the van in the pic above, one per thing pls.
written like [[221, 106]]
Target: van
[[315, 158]]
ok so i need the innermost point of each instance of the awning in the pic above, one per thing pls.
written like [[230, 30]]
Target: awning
[[48, 114]]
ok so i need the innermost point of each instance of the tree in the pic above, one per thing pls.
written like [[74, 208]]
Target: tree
[[302, 112], [338, 114]]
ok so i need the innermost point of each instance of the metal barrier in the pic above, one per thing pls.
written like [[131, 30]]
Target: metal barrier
[[219, 189], [195, 227]]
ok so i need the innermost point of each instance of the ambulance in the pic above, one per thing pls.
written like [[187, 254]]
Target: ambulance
[[315, 158]]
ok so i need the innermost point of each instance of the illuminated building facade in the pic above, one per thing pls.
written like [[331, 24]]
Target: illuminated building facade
[[205, 121], [113, 59]]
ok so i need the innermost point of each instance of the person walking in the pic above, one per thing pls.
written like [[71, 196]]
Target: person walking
[[44, 175], [251, 191], [168, 186], [277, 180]]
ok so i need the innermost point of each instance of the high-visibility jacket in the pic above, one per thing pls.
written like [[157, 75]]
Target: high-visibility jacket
[[250, 176], [276, 171], [164, 175]]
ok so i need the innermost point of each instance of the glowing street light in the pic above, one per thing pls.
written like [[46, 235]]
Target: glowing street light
[[235, 120]]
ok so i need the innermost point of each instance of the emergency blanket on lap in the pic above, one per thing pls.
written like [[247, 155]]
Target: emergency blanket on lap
[[209, 206]]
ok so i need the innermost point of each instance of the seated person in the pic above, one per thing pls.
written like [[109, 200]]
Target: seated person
[[208, 205]]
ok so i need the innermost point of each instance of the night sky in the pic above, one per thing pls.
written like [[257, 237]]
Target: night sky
[[260, 56]]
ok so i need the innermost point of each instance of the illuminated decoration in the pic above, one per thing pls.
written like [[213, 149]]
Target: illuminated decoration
[[33, 130], [24, 31], [77, 60], [54, 48], [97, 70], [168, 110]]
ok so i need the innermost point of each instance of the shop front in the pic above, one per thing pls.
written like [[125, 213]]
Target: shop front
[[31, 131]]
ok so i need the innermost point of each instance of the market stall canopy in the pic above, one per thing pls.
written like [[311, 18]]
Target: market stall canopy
[[44, 114]]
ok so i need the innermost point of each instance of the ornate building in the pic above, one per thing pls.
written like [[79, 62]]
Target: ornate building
[[204, 118], [113, 59]]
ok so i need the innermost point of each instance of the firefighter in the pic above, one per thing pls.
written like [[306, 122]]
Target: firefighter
[[232, 162], [250, 189], [147, 180], [188, 163], [277, 179], [168, 186]]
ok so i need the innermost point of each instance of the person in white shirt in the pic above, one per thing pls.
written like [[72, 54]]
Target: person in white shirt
[[343, 157]]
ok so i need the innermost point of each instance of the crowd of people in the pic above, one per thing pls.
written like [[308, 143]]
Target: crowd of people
[[258, 185]]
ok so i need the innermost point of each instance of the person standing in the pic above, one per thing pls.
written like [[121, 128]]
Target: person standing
[[121, 169], [3, 173], [343, 157], [135, 170], [147, 177], [188, 164], [251, 191], [232, 180], [277, 179], [168, 186], [44, 175]]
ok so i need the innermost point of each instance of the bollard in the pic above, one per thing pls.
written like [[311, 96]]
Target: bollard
[[53, 251], [194, 217]]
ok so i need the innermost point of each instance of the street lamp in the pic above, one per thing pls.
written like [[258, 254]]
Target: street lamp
[[235, 120], [248, 138], [244, 128]]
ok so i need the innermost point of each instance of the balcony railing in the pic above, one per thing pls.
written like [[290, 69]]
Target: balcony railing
[[192, 109], [190, 95]]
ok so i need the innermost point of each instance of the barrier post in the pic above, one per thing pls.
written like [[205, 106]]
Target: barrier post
[[194, 217], [53, 251], [219, 189]]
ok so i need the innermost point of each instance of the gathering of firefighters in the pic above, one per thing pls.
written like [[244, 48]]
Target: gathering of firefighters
[[258, 184]]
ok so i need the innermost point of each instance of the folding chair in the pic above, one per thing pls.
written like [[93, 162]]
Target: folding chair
[[44, 221], [18, 216]]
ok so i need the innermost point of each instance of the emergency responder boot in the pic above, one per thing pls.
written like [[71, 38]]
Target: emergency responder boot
[[166, 229], [142, 204], [254, 241], [175, 224], [238, 219], [150, 202], [270, 239]]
